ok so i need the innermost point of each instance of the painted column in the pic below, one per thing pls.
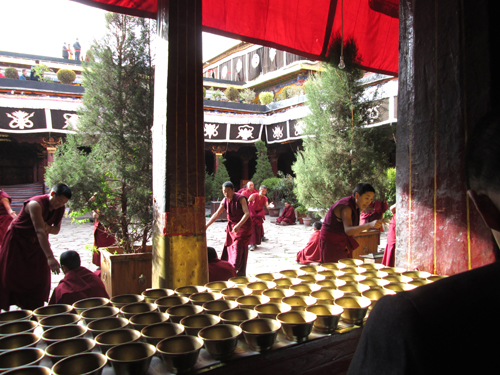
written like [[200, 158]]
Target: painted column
[[179, 243], [218, 151]]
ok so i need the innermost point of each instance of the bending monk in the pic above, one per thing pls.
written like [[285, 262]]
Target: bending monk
[[342, 223], [256, 204], [287, 216], [78, 283], [310, 253], [239, 228], [218, 270], [6, 214], [26, 258]]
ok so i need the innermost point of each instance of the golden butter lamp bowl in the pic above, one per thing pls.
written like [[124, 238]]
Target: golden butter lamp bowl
[[292, 273], [354, 289], [260, 334], [399, 287], [216, 286], [327, 317], [239, 281], [18, 341], [186, 291], [398, 279], [296, 325], [18, 326], [331, 284], [131, 358], [11, 359], [275, 295], [234, 292], [349, 278], [159, 331], [165, 303], [329, 266], [436, 277], [393, 270], [355, 309], [298, 303], [326, 296], [375, 274], [374, 282], [63, 333], [151, 295], [286, 282], [29, 370], [12, 316], [350, 270], [257, 287], [194, 323], [419, 282], [349, 262], [81, 364], [372, 266], [249, 302], [107, 340], [417, 274], [44, 311], [220, 340], [200, 298], [237, 316], [268, 276], [65, 348], [137, 308], [107, 324], [271, 310], [180, 353], [304, 289], [177, 313], [311, 278], [59, 320], [125, 299], [99, 313], [309, 269], [216, 307], [140, 321], [328, 274], [90, 303], [376, 293]]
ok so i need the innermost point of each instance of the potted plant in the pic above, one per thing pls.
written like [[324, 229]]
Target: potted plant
[[301, 212]]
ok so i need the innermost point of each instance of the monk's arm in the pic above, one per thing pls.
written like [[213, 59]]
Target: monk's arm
[[269, 205], [245, 217], [351, 230], [215, 215], [53, 229], [6, 204], [35, 211]]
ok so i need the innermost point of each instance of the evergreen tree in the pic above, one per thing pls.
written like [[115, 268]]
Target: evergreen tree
[[339, 152], [115, 128], [220, 176], [263, 168]]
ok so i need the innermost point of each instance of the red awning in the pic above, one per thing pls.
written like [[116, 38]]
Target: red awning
[[304, 27]]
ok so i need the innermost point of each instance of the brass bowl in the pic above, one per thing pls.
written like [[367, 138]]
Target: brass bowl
[[216, 307], [65, 348], [180, 353], [237, 316], [373, 266], [376, 293], [355, 309], [399, 287], [398, 279], [393, 270], [63, 333], [331, 284], [131, 358], [354, 289], [311, 279], [125, 299], [186, 291], [151, 295], [159, 331], [326, 296], [165, 303], [296, 325], [328, 274], [216, 286], [417, 274], [260, 334], [44, 311], [90, 303], [257, 287], [349, 278], [99, 313], [177, 313], [268, 276], [18, 326], [304, 289], [81, 364], [220, 340], [276, 295], [299, 303], [376, 274], [286, 282], [292, 273], [271, 310], [12, 316], [309, 269], [349, 270], [200, 298], [106, 324], [419, 282], [374, 283], [249, 302], [140, 321], [194, 323], [18, 341], [239, 281], [436, 277], [137, 308], [59, 320], [327, 317], [107, 340], [20, 357], [232, 293], [29, 370], [349, 262], [330, 266]]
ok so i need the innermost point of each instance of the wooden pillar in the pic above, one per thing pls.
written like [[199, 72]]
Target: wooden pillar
[[218, 151], [273, 158], [179, 244], [445, 85]]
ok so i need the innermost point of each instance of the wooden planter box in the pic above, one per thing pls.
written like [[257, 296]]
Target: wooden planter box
[[214, 206], [274, 212], [126, 273]]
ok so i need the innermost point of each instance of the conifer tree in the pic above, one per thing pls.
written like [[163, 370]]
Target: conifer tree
[[263, 169], [220, 176]]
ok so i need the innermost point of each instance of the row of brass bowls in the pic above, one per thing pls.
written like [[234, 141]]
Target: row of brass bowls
[[30, 370], [19, 358], [18, 326], [12, 316], [18, 341]]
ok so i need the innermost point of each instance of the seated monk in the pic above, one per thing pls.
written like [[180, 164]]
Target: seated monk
[[287, 216], [218, 270], [78, 283], [310, 253]]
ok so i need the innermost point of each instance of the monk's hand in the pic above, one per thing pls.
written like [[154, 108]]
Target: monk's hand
[[271, 205], [236, 229], [13, 215], [54, 265], [376, 224]]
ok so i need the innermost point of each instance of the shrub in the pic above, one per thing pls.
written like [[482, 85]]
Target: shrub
[[247, 95], [263, 169], [231, 93], [266, 97], [216, 95], [11, 73], [66, 76], [204, 92]]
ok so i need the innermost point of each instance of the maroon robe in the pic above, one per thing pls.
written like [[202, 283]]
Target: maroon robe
[[236, 245], [5, 218], [375, 211], [101, 239], [310, 253], [257, 215], [24, 270], [78, 283], [334, 243], [287, 216], [247, 192], [390, 249], [220, 270]]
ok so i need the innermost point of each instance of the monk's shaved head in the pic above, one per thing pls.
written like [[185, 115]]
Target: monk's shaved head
[[70, 259]]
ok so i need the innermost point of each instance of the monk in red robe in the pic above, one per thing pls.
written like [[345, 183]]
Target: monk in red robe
[[248, 190], [256, 204], [239, 228], [287, 217], [341, 223], [26, 258], [218, 269], [78, 283], [102, 238], [311, 253], [6, 214], [375, 211], [390, 249]]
